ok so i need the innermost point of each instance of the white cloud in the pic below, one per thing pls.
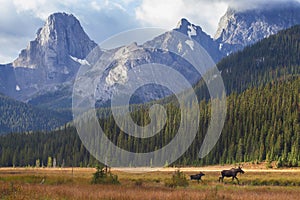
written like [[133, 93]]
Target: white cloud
[[126, 2], [38, 8], [95, 5], [246, 4], [205, 13], [43, 8], [167, 13]]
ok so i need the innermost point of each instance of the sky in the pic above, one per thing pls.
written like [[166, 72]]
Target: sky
[[101, 19]]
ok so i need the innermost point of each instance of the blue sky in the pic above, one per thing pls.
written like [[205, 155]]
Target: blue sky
[[19, 19]]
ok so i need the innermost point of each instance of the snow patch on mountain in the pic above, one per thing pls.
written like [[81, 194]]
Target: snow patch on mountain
[[80, 61], [18, 88], [192, 31], [190, 43], [179, 47]]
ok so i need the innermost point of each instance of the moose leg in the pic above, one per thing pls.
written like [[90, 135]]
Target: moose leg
[[221, 178], [237, 180]]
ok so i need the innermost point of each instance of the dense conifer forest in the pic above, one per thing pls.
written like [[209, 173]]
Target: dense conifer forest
[[20, 117]]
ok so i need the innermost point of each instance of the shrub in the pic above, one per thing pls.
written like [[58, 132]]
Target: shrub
[[178, 179], [139, 182], [102, 176]]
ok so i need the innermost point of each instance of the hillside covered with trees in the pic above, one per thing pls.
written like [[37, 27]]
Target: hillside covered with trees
[[261, 124], [20, 117], [273, 58]]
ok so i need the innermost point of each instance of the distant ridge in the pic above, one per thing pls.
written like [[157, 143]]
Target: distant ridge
[[241, 27]]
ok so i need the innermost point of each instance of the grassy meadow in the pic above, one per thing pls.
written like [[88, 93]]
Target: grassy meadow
[[44, 183]]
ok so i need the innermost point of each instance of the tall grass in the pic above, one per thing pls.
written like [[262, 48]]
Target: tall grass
[[21, 184]]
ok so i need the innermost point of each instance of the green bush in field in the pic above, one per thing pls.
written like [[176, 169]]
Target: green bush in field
[[102, 176], [178, 179]]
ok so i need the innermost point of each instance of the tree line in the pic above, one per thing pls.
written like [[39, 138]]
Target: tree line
[[262, 124]]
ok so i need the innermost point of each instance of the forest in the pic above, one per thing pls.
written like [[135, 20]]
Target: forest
[[262, 124], [20, 117]]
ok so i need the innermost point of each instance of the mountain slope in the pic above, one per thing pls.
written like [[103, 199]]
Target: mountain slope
[[271, 59], [239, 28], [268, 60], [167, 49], [20, 117]]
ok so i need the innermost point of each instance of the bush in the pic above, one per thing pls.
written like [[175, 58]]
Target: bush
[[102, 176], [178, 179], [139, 182]]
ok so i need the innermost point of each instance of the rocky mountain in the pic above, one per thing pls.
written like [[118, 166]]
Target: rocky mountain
[[45, 71], [49, 62], [125, 68], [168, 49], [61, 42], [196, 33], [241, 27]]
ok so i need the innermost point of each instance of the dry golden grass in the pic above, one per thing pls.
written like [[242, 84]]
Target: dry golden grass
[[25, 183]]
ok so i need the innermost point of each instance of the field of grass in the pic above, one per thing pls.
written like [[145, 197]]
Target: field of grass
[[32, 183]]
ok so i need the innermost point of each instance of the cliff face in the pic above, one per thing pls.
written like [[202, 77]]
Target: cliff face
[[61, 37], [52, 59], [196, 33], [239, 28]]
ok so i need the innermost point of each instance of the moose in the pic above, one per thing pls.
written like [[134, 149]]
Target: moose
[[197, 176], [231, 173]]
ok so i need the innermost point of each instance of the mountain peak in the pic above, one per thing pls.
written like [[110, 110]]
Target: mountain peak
[[187, 28], [55, 23], [195, 33], [242, 25], [61, 15], [60, 37], [183, 23], [54, 56]]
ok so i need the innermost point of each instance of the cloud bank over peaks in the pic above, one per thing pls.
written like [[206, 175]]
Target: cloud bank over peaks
[[243, 5]]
